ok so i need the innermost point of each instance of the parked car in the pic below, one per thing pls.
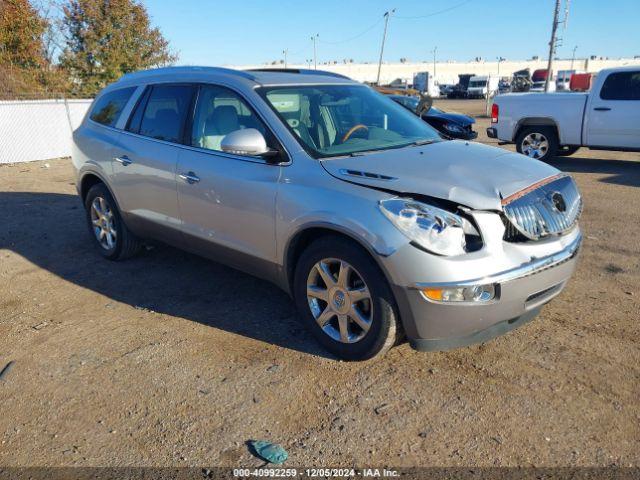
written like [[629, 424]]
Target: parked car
[[539, 79], [541, 126], [504, 86], [375, 225], [454, 125], [481, 86], [563, 80], [521, 81], [445, 89], [581, 82], [459, 90]]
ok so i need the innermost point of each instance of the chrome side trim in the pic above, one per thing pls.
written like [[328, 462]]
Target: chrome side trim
[[536, 265]]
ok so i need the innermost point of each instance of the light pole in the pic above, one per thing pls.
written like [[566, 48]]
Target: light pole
[[387, 14], [573, 56], [500, 59], [315, 58], [284, 52], [435, 50]]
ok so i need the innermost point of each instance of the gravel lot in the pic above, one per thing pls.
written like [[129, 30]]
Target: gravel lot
[[168, 359]]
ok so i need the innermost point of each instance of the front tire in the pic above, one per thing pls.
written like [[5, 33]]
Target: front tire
[[345, 300], [112, 237], [537, 142]]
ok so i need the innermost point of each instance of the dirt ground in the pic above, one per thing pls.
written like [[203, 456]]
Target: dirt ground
[[171, 360]]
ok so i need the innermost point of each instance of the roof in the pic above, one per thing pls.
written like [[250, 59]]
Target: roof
[[265, 76]]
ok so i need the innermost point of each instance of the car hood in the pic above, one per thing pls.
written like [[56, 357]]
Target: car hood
[[458, 118], [470, 174]]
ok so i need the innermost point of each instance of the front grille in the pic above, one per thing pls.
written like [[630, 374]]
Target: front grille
[[552, 208]]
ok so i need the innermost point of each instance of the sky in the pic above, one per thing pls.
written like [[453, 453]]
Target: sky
[[243, 32]]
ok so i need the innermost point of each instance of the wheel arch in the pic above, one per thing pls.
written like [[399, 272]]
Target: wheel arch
[[91, 178], [310, 233], [537, 122]]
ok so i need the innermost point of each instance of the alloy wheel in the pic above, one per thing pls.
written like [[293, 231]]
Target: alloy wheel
[[339, 300], [535, 145], [103, 223]]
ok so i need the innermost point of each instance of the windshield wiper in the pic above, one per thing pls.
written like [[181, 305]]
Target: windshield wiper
[[419, 143], [392, 147]]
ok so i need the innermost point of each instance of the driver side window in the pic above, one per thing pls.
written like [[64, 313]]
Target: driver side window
[[220, 111]]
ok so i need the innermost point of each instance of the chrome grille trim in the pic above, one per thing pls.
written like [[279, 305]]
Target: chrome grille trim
[[536, 214], [535, 266]]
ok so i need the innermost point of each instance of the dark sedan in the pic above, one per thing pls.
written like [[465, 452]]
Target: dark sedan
[[454, 125]]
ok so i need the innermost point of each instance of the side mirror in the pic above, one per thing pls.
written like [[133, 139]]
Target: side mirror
[[424, 105], [247, 141]]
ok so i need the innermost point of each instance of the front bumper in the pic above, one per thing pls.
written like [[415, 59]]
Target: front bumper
[[464, 135], [521, 292]]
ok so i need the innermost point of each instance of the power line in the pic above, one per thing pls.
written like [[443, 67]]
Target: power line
[[434, 13], [374, 25], [303, 49], [367, 30]]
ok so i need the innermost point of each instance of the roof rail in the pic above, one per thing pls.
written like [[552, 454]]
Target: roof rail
[[301, 71], [187, 69]]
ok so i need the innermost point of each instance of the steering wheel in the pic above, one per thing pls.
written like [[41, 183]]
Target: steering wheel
[[352, 130]]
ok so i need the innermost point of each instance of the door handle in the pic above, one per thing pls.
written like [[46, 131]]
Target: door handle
[[190, 177], [602, 109], [124, 160]]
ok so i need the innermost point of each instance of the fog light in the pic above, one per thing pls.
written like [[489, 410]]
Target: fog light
[[477, 293]]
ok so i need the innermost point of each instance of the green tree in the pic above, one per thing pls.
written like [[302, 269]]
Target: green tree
[[25, 69], [106, 39], [21, 53]]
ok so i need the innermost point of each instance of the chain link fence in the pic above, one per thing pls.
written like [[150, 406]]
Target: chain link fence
[[38, 126]]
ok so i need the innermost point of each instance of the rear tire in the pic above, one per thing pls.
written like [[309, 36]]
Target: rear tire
[[539, 142], [112, 238], [319, 271]]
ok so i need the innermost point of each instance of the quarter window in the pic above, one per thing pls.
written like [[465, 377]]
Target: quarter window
[[109, 106], [165, 112], [219, 111], [621, 86]]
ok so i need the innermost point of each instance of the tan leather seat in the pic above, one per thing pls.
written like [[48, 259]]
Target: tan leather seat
[[222, 121]]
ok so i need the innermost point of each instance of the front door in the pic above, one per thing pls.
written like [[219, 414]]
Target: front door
[[227, 202], [613, 118], [145, 161]]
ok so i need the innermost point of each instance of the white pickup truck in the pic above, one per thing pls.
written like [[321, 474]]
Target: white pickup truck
[[543, 125]]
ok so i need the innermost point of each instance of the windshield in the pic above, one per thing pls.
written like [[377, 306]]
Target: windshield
[[478, 83], [337, 120]]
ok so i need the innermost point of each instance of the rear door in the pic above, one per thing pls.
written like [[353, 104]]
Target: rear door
[[93, 143], [227, 201], [145, 159], [613, 118]]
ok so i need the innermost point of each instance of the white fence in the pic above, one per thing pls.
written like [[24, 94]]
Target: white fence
[[38, 129]]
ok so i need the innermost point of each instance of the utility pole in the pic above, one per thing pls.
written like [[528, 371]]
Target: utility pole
[[315, 57], [552, 45], [284, 52], [387, 14], [573, 56]]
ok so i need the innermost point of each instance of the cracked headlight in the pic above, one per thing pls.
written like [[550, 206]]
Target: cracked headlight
[[452, 127], [432, 228]]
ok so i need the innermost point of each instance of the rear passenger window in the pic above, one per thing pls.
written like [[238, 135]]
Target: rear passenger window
[[621, 86], [109, 106], [165, 112]]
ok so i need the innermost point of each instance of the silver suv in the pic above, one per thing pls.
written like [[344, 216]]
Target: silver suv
[[377, 226]]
